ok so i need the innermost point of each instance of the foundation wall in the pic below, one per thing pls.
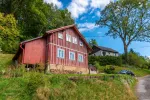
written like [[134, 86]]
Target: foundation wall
[[62, 68]]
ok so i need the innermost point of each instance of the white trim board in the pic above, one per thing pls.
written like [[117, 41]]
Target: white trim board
[[67, 48]]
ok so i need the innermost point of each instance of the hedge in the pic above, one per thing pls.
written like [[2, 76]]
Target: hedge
[[105, 60]]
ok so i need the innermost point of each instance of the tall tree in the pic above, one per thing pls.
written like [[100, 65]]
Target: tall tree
[[35, 16], [9, 33], [127, 19]]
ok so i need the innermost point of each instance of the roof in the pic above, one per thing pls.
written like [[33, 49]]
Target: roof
[[66, 27], [97, 48], [59, 29], [31, 39]]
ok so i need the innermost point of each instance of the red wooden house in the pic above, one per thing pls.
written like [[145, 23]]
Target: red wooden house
[[63, 48]]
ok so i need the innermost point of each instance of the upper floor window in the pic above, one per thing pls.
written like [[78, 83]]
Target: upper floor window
[[71, 55], [81, 43], [68, 37], [74, 40], [60, 53], [60, 35], [80, 57]]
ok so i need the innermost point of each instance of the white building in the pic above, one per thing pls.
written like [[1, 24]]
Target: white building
[[103, 51]]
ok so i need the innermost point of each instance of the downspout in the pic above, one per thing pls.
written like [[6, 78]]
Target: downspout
[[22, 53], [46, 56]]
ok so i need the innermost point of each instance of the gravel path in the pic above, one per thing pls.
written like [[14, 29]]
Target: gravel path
[[143, 88]]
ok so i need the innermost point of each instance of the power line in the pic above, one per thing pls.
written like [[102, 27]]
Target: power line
[[93, 36]]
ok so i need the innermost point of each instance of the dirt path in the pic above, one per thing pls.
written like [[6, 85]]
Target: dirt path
[[143, 88]]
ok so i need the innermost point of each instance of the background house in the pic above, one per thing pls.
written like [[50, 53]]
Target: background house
[[103, 51]]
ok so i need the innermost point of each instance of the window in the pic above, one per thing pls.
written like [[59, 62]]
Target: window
[[71, 55], [60, 35], [81, 43], [104, 53], [80, 58], [68, 37], [60, 53], [74, 40]]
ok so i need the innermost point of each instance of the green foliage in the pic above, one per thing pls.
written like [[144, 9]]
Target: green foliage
[[5, 61], [105, 60], [9, 33], [35, 17], [92, 42], [102, 88], [109, 69], [134, 59], [35, 80]]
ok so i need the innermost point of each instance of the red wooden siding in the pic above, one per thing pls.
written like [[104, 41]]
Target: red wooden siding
[[55, 43], [35, 51]]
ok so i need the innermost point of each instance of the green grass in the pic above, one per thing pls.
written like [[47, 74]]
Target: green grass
[[137, 71], [5, 60], [59, 87]]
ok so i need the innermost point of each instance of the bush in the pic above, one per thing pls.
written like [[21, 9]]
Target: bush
[[109, 69], [136, 60], [105, 60], [35, 80]]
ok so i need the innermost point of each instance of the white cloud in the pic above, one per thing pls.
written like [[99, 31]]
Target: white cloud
[[92, 11], [93, 16], [86, 26], [99, 3], [82, 17], [98, 13], [78, 7], [55, 2]]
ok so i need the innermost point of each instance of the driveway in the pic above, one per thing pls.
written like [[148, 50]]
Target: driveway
[[143, 88]]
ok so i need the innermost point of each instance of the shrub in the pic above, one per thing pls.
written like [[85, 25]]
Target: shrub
[[106, 60], [109, 69], [42, 93], [134, 59], [35, 80]]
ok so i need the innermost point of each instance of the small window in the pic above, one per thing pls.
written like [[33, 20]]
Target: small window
[[60, 35], [60, 53], [71, 55], [81, 43], [68, 37], [80, 57], [74, 40]]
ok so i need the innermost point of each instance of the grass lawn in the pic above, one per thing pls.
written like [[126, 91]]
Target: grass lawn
[[138, 72], [5, 60], [36, 86]]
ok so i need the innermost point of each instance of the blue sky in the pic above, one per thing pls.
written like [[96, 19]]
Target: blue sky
[[85, 13]]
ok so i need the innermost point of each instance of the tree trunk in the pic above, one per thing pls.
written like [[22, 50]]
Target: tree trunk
[[126, 53]]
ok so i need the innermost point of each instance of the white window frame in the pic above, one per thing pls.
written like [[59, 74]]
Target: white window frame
[[80, 58], [68, 37], [74, 40], [81, 43], [71, 57], [59, 51], [60, 35]]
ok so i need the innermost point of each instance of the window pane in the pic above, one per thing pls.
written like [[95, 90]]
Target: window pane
[[60, 53]]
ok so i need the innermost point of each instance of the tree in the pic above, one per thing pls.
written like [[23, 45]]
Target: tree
[[92, 42], [9, 33], [127, 19], [5, 6], [35, 16]]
